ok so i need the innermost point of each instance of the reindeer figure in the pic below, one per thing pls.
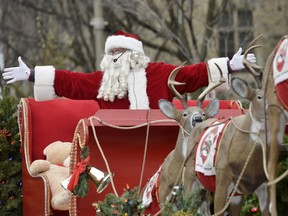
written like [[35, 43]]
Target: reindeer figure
[[276, 114], [187, 118], [239, 137]]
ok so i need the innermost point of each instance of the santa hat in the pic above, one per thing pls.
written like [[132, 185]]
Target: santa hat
[[125, 40]]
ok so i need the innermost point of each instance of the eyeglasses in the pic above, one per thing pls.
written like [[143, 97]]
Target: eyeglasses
[[116, 51]]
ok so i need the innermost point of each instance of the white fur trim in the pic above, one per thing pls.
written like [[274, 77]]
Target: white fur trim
[[137, 84], [44, 83], [120, 41], [215, 74]]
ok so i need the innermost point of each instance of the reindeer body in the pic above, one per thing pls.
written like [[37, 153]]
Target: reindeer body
[[231, 157], [235, 147], [171, 169], [276, 114], [232, 153], [173, 164]]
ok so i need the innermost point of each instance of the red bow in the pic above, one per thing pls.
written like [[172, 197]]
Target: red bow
[[80, 167]]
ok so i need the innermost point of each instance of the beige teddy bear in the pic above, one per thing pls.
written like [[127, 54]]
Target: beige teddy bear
[[56, 168]]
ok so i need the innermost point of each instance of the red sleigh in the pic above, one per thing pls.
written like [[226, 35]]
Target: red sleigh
[[127, 139]]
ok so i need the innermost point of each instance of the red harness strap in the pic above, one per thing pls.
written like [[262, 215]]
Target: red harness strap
[[154, 207]]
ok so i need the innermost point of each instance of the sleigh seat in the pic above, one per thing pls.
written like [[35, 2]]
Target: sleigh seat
[[41, 123]]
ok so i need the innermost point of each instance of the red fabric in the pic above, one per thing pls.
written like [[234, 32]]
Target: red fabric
[[209, 182], [85, 85], [224, 104], [281, 92], [80, 168], [281, 61], [42, 127], [154, 207]]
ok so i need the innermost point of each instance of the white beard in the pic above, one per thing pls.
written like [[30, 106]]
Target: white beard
[[114, 81], [126, 74]]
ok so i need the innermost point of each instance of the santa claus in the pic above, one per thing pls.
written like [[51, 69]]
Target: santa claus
[[127, 78]]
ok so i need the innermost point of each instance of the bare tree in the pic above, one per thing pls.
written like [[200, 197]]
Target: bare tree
[[60, 33], [169, 26]]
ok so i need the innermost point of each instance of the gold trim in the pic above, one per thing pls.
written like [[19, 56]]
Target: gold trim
[[80, 138]]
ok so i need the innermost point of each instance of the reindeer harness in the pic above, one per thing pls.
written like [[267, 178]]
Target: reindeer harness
[[206, 151]]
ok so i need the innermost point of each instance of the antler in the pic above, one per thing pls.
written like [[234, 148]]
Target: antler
[[252, 66], [211, 86], [172, 82]]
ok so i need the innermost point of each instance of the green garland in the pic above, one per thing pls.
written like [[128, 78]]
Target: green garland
[[81, 189], [128, 204], [183, 206]]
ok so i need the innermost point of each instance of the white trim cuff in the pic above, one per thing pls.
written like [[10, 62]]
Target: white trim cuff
[[215, 73], [44, 83]]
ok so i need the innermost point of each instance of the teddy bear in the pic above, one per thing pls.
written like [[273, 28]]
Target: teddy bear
[[56, 169]]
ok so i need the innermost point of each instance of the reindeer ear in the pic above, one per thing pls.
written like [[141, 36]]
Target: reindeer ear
[[212, 108], [167, 108], [240, 87]]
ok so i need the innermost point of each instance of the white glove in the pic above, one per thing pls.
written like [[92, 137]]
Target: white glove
[[236, 63], [14, 74]]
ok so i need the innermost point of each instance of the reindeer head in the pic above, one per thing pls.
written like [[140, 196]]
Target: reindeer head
[[190, 116], [255, 96]]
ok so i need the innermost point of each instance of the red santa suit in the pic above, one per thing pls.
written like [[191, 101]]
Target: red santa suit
[[50, 82]]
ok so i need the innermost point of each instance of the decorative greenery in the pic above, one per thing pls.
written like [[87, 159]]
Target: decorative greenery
[[10, 157], [250, 206], [183, 206], [81, 189], [128, 204]]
